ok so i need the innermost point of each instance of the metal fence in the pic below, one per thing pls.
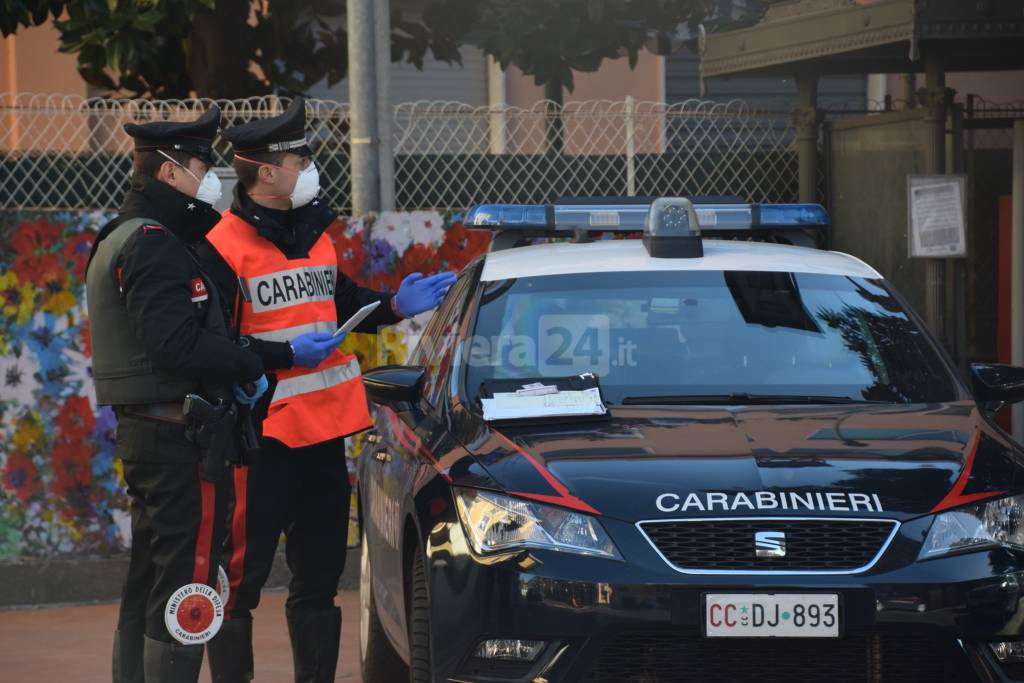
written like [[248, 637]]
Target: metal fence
[[71, 152], [989, 125], [453, 155], [60, 151]]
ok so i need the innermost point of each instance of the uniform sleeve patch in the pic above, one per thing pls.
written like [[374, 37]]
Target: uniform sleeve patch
[[199, 291]]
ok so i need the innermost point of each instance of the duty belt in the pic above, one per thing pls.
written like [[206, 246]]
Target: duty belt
[[162, 412]]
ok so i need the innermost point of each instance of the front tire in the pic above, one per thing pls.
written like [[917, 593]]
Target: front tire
[[378, 661], [419, 624]]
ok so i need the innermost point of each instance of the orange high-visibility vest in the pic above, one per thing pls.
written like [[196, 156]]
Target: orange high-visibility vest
[[281, 299]]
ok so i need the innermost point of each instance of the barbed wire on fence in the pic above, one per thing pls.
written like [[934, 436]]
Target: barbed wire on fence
[[66, 151], [59, 151], [450, 154], [981, 108]]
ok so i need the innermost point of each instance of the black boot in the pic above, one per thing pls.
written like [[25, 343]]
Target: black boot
[[315, 638], [171, 662], [128, 656], [230, 652]]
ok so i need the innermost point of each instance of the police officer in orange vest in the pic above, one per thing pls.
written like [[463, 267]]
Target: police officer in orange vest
[[278, 269], [158, 334]]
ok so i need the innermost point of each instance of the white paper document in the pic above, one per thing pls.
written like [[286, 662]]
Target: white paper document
[[356, 318], [509, 406], [536, 389], [937, 228]]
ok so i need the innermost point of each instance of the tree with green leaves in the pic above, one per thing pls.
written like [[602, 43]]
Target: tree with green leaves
[[238, 48], [550, 39], [213, 48]]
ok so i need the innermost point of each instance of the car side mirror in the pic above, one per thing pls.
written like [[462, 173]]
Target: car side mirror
[[996, 385], [395, 386]]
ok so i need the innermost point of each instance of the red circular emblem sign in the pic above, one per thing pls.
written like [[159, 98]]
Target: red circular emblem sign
[[194, 614]]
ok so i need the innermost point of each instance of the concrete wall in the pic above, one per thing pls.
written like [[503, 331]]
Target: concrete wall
[[587, 131], [30, 62], [770, 93], [871, 157], [613, 81]]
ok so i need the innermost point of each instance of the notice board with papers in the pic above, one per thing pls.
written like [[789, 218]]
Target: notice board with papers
[[935, 216]]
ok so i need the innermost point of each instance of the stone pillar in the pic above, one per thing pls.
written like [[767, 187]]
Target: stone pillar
[[385, 112], [936, 100], [362, 88], [807, 118]]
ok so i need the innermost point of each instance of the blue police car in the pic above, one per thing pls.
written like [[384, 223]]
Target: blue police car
[[703, 453]]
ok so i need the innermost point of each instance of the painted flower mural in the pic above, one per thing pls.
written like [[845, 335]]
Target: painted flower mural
[[460, 245], [398, 244], [58, 490], [61, 491]]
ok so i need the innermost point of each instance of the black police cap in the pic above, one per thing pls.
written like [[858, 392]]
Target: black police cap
[[194, 138], [283, 133]]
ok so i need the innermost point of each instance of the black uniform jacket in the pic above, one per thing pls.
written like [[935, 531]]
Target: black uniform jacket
[[294, 233], [159, 271]]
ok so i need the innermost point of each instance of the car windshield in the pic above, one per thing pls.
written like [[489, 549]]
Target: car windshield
[[709, 337]]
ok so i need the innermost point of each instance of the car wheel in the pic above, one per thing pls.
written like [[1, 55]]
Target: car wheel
[[378, 661], [419, 624]]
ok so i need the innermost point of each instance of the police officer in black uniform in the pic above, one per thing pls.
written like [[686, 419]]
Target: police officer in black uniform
[[158, 334], [301, 491]]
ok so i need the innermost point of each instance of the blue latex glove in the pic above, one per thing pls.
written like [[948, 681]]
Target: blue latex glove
[[311, 348], [417, 293], [247, 399]]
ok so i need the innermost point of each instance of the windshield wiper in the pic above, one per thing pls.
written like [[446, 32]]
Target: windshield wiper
[[740, 399]]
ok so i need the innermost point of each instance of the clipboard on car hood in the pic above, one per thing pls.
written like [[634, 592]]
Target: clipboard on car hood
[[543, 398]]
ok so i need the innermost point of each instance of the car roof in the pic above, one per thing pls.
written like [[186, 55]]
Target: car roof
[[563, 258]]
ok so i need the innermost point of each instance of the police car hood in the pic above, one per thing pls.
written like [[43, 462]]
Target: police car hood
[[896, 461]]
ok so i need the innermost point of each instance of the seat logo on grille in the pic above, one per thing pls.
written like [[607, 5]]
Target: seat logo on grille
[[769, 544]]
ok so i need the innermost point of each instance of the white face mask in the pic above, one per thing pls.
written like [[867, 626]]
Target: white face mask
[[209, 187], [307, 186]]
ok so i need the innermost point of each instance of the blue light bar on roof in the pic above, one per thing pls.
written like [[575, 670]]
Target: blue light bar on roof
[[559, 217], [751, 216], [793, 214], [633, 217], [601, 216], [498, 215], [724, 216]]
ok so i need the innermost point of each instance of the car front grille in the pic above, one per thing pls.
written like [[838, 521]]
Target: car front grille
[[835, 545], [682, 656]]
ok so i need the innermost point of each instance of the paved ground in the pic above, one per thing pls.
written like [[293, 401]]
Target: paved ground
[[58, 644]]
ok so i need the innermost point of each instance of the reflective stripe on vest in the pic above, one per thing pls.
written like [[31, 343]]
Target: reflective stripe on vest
[[289, 333], [281, 299], [316, 381]]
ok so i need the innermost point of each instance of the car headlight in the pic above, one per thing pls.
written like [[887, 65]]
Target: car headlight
[[496, 523], [995, 522]]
